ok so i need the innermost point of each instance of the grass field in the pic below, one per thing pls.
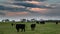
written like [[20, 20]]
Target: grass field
[[48, 28]]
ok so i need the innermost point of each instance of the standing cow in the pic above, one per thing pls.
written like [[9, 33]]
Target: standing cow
[[37, 22], [33, 26], [20, 26], [42, 22], [56, 22], [12, 24]]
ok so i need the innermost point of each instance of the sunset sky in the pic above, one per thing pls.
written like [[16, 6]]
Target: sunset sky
[[28, 9]]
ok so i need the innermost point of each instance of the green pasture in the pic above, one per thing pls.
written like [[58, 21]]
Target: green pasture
[[48, 28]]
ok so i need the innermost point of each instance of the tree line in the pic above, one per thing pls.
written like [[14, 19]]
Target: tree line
[[26, 20]]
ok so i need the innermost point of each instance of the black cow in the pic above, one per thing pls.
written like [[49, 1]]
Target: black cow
[[42, 22], [20, 26], [33, 26], [12, 24], [56, 22], [37, 22]]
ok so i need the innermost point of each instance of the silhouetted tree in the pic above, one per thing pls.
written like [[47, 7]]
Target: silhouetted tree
[[13, 20], [33, 20], [3, 20], [23, 20], [28, 20], [6, 20]]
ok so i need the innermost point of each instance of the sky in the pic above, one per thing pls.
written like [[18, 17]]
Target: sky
[[28, 9]]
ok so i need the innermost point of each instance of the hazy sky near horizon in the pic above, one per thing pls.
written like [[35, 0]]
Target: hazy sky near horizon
[[38, 9]]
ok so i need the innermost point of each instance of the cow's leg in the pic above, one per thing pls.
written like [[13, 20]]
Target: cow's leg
[[43, 22], [32, 29], [21, 30], [17, 30], [24, 29]]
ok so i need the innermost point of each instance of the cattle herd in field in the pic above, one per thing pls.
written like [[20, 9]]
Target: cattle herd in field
[[23, 26]]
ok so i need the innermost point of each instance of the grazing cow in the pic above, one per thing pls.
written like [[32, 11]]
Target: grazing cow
[[12, 24], [37, 22], [56, 22], [42, 22], [20, 26], [33, 26]]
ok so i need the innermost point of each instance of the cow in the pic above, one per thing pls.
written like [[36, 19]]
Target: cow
[[12, 24], [42, 22], [37, 22], [33, 26], [20, 26], [56, 22]]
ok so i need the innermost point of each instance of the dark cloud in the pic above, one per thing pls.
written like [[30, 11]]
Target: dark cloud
[[12, 9], [9, 7], [30, 0], [26, 4], [42, 0], [2, 7], [31, 5], [55, 11], [25, 0], [52, 12], [1, 13]]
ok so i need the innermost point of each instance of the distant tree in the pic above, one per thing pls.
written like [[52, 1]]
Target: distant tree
[[28, 20], [13, 20], [3, 20], [23, 20], [33, 20], [41, 19], [6, 20]]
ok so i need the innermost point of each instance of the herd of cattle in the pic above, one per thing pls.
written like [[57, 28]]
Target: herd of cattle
[[23, 26], [43, 22]]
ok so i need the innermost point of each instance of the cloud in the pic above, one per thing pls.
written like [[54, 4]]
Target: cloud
[[38, 10], [55, 11], [1, 13], [23, 0], [33, 4], [34, 7], [13, 8], [42, 0], [25, 4], [31, 0], [16, 13]]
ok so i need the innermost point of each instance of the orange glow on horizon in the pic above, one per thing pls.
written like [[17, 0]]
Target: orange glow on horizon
[[35, 2], [40, 10], [16, 13]]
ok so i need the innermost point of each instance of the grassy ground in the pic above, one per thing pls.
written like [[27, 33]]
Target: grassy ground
[[48, 28]]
